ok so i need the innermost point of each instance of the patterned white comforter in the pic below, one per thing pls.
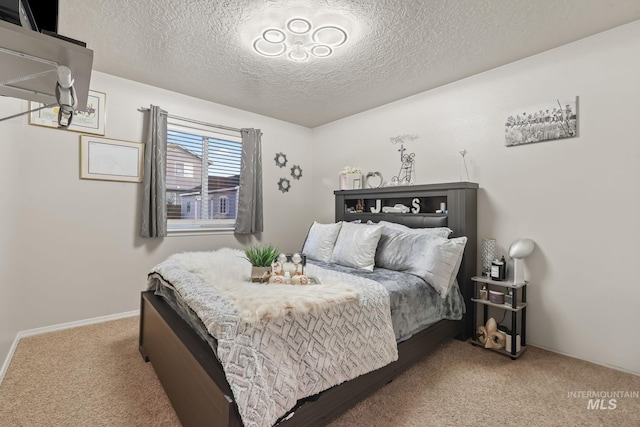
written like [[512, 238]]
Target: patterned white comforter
[[271, 361]]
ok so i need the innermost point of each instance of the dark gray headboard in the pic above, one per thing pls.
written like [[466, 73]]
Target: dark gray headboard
[[460, 199]]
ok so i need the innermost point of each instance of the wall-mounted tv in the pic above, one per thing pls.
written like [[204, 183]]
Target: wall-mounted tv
[[37, 15]]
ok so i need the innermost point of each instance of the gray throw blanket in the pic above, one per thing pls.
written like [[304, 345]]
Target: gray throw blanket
[[293, 351]]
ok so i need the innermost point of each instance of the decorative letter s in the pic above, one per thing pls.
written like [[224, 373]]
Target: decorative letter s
[[416, 206]]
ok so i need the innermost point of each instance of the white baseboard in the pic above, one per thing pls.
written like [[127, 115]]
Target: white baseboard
[[7, 360], [617, 368], [59, 327]]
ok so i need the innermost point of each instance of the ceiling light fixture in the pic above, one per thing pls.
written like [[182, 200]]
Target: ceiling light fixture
[[299, 40]]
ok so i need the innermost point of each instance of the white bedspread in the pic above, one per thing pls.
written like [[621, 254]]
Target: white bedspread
[[280, 343]]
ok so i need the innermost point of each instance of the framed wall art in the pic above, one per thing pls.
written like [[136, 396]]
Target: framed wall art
[[92, 120], [111, 159], [556, 119]]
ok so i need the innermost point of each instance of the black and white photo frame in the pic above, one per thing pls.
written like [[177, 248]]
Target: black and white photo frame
[[555, 119]]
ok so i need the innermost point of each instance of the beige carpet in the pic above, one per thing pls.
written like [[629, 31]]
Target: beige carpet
[[94, 376]]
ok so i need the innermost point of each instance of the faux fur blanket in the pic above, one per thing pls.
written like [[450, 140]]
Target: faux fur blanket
[[280, 343]]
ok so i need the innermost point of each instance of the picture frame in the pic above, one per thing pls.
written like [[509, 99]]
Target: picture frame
[[91, 121], [546, 121], [111, 159]]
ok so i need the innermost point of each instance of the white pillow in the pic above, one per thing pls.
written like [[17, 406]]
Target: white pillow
[[442, 262], [436, 231], [356, 245], [320, 241]]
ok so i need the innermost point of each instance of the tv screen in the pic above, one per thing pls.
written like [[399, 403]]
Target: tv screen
[[35, 15]]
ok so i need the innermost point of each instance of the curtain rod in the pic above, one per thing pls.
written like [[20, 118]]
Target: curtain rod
[[184, 119]]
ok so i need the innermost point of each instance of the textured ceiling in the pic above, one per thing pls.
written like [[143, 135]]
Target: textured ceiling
[[397, 48]]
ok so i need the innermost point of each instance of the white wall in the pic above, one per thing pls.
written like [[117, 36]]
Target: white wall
[[69, 248], [578, 198], [10, 299]]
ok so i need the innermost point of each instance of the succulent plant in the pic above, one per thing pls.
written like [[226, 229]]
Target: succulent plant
[[261, 256]]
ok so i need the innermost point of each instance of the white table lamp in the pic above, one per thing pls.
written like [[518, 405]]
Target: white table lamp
[[519, 250]]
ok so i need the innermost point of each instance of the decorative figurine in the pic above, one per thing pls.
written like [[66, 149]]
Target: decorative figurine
[[490, 336], [288, 265], [407, 161], [277, 279]]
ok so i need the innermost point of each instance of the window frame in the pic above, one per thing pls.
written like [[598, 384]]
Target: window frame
[[195, 226]]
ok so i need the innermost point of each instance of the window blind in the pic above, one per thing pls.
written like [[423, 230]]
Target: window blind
[[202, 178]]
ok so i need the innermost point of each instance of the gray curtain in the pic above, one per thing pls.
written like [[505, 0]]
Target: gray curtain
[[154, 208], [249, 218]]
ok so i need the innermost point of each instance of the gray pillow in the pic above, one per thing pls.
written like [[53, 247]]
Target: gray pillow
[[402, 251], [356, 245], [436, 231], [434, 258], [320, 241]]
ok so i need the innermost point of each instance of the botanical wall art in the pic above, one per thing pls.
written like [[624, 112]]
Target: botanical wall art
[[91, 120], [555, 119]]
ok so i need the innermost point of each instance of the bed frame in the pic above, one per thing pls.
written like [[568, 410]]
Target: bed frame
[[193, 378]]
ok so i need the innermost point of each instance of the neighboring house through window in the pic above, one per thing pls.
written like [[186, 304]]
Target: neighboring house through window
[[202, 179], [223, 205], [184, 169]]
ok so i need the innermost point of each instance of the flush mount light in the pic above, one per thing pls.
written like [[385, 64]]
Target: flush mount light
[[321, 51], [299, 26], [273, 35], [266, 48], [330, 35], [299, 40], [298, 53]]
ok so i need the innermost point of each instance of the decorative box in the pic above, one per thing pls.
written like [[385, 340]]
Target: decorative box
[[350, 181], [507, 345], [496, 297]]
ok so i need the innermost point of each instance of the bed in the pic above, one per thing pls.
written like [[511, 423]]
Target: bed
[[194, 379]]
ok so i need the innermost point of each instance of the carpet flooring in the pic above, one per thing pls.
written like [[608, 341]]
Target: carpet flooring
[[95, 376]]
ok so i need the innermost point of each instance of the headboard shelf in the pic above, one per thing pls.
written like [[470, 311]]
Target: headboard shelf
[[461, 216], [411, 189]]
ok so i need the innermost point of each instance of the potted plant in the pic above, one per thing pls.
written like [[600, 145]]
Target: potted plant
[[261, 258]]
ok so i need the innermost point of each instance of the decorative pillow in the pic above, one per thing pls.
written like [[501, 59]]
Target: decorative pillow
[[443, 263], [436, 231], [356, 245], [434, 258], [402, 251], [320, 241]]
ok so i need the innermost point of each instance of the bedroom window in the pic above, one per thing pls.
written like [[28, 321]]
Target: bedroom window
[[202, 179]]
